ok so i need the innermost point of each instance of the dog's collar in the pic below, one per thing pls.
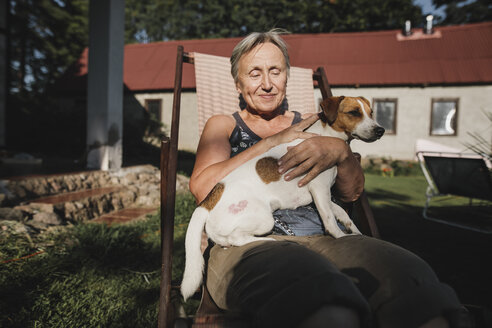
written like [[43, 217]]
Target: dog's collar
[[323, 117]]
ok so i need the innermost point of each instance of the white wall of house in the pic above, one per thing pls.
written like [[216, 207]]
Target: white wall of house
[[413, 117], [188, 123]]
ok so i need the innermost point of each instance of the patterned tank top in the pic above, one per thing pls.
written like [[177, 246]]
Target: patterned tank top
[[302, 221]]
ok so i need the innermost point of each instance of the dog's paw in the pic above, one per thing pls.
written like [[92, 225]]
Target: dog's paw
[[336, 234]]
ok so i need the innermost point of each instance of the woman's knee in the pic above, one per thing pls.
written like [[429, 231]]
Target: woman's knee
[[333, 316]]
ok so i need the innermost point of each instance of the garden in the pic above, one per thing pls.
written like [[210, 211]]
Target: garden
[[94, 275]]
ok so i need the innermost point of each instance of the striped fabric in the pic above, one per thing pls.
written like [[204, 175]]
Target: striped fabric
[[217, 94]]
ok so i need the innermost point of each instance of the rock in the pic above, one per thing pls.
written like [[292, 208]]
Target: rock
[[140, 187], [70, 185], [51, 219], [42, 207], [40, 187], [182, 183], [145, 201], [127, 197], [54, 187], [11, 214]]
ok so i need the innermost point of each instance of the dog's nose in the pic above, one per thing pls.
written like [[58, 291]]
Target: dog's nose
[[379, 131]]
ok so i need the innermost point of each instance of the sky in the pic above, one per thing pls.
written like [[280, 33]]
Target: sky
[[428, 8]]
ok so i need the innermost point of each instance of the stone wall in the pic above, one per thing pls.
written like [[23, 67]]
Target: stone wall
[[43, 201]]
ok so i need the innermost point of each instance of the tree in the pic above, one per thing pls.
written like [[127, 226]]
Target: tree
[[46, 36], [464, 11], [157, 20]]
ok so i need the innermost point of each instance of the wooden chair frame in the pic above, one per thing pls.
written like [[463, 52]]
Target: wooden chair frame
[[169, 158]]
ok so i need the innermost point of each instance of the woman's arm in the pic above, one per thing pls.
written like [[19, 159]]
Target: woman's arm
[[213, 161]]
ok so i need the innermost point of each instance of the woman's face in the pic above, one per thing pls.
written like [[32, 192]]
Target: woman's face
[[262, 78]]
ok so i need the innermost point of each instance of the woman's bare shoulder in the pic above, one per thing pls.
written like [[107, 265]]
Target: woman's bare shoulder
[[221, 120], [218, 125]]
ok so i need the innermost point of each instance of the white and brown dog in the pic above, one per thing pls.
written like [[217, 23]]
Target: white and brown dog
[[240, 207]]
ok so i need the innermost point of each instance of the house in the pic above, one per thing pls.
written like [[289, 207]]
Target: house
[[435, 86]]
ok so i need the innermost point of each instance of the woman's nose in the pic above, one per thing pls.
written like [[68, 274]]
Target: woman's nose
[[266, 83]]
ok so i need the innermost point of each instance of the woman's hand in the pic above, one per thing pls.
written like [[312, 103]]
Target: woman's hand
[[293, 132], [313, 156]]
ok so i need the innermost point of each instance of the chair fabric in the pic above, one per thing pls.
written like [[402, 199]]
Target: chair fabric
[[468, 177], [457, 174], [217, 94]]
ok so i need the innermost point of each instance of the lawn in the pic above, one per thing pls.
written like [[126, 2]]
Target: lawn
[[91, 275]]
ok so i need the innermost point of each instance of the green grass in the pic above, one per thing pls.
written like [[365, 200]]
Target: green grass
[[403, 190], [406, 195], [91, 275]]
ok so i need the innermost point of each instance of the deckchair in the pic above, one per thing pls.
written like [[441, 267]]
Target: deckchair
[[215, 100], [456, 174]]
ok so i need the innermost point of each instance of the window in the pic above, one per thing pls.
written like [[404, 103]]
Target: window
[[153, 107], [385, 114], [443, 117]]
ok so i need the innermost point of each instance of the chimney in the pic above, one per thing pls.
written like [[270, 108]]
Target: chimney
[[407, 29], [428, 29]]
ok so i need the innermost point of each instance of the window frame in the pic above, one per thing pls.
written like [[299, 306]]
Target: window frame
[[146, 106], [395, 120], [455, 125]]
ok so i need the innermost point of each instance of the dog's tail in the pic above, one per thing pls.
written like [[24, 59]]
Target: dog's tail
[[193, 273]]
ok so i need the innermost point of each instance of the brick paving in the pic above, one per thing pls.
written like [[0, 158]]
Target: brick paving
[[125, 215]]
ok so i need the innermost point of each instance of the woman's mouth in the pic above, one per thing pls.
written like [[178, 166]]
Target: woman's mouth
[[268, 96]]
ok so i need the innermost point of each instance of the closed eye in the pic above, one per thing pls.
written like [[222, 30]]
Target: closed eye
[[355, 113]]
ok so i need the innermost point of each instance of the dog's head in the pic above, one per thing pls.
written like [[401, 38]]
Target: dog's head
[[352, 115]]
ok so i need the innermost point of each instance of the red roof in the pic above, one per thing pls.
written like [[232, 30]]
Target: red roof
[[452, 55]]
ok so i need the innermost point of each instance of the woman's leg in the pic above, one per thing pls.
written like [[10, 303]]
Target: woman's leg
[[280, 284], [401, 288], [333, 316]]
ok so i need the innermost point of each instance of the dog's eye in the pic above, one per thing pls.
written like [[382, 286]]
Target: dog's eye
[[354, 113]]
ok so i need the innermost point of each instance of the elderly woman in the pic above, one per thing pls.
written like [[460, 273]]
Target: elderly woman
[[305, 278]]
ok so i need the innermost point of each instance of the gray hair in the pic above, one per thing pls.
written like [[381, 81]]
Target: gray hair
[[252, 40]]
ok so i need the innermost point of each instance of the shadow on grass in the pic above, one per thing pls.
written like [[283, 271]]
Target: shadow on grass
[[458, 256], [43, 289], [381, 194]]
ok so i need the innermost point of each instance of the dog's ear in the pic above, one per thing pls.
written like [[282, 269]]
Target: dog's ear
[[330, 108], [365, 100]]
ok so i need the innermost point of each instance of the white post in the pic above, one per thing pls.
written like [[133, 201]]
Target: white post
[[105, 84]]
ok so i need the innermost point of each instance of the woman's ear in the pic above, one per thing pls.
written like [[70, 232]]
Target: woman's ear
[[330, 108], [238, 87]]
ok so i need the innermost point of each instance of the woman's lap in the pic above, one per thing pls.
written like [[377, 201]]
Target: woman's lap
[[285, 281]]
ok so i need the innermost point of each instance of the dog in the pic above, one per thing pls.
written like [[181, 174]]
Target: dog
[[239, 208]]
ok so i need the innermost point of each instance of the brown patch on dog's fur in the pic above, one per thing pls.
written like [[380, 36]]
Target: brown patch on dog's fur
[[330, 108], [267, 169], [213, 197]]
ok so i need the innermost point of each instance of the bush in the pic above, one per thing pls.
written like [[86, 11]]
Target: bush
[[389, 167]]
